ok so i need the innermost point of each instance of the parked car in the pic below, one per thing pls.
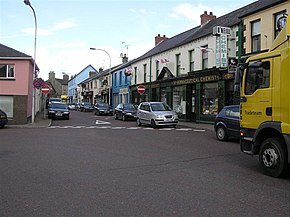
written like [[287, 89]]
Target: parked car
[[125, 111], [86, 107], [3, 118], [71, 106], [227, 123], [102, 108], [156, 114], [58, 110]]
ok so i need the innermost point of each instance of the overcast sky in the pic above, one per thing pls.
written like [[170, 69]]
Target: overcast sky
[[68, 28]]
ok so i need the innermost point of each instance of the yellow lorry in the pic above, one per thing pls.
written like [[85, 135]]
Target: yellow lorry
[[265, 105]]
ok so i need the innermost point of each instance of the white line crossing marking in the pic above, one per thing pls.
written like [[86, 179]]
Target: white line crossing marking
[[133, 128], [184, 129], [102, 122], [117, 128], [128, 128]]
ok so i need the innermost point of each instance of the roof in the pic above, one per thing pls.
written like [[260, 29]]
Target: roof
[[229, 20], [8, 52]]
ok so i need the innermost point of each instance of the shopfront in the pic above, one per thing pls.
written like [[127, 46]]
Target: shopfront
[[197, 97]]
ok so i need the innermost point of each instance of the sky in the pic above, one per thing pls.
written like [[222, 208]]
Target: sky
[[67, 29]]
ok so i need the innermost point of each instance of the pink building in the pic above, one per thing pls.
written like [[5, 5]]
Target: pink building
[[16, 85]]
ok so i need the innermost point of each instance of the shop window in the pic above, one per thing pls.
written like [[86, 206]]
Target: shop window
[[256, 35], [7, 105], [179, 99], [210, 98]]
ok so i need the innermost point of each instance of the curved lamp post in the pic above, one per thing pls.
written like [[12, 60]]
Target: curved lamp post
[[27, 2], [93, 48]]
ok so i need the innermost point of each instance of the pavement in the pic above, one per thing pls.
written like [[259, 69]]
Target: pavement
[[42, 121]]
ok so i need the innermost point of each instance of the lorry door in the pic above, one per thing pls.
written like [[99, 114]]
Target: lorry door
[[256, 95]]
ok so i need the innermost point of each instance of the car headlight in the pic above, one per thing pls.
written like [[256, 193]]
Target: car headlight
[[66, 112], [129, 113], [159, 116], [51, 111]]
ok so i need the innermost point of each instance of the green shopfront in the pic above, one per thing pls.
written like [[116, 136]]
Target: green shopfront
[[197, 97]]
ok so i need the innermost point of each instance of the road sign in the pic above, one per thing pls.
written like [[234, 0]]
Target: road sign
[[141, 89], [45, 89]]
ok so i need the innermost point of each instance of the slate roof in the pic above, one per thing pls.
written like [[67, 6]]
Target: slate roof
[[8, 52], [229, 20]]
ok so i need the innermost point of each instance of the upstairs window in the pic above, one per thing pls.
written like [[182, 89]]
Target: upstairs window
[[204, 57], [191, 60], [7, 71], [157, 68], [278, 22], [145, 72], [256, 35], [178, 62]]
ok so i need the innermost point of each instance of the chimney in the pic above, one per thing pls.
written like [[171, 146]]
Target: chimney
[[51, 76], [65, 77], [101, 69], [204, 18], [92, 73], [159, 39], [124, 59]]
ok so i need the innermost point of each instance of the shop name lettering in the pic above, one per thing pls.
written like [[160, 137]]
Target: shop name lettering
[[252, 113], [197, 80]]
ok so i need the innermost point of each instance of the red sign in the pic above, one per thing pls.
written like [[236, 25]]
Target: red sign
[[45, 89], [141, 89]]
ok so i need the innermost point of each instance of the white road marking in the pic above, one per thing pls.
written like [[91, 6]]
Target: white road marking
[[102, 122]]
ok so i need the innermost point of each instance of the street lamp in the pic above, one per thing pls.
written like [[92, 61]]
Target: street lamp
[[27, 2], [93, 48]]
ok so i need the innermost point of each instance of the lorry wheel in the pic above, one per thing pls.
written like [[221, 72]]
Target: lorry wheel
[[272, 157], [221, 133]]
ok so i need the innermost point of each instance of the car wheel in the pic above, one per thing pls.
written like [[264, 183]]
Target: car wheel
[[138, 122], [272, 157], [153, 124], [221, 133], [123, 117], [115, 115]]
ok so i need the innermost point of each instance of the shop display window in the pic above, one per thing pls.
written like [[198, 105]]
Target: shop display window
[[210, 98]]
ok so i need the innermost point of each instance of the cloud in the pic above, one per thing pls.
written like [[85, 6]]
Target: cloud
[[51, 30]]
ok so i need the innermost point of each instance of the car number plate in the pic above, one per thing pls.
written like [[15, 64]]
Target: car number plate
[[58, 114]]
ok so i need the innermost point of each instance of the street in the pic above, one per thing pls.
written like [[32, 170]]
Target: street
[[97, 166]]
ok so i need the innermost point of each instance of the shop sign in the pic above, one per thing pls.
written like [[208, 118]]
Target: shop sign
[[207, 78], [124, 90], [221, 51]]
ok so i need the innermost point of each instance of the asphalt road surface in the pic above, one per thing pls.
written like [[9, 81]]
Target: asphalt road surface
[[81, 167]]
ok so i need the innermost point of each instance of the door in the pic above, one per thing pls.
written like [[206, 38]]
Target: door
[[256, 97]]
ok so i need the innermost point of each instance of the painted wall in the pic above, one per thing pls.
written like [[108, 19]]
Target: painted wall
[[267, 25]]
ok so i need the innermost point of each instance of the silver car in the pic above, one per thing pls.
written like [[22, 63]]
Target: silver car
[[156, 114]]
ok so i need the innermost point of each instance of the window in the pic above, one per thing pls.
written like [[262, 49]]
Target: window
[[210, 98], [204, 58], [177, 65], [256, 35], [191, 60], [233, 112], [135, 73], [277, 16], [6, 71], [257, 77], [157, 68], [120, 78], [145, 72]]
